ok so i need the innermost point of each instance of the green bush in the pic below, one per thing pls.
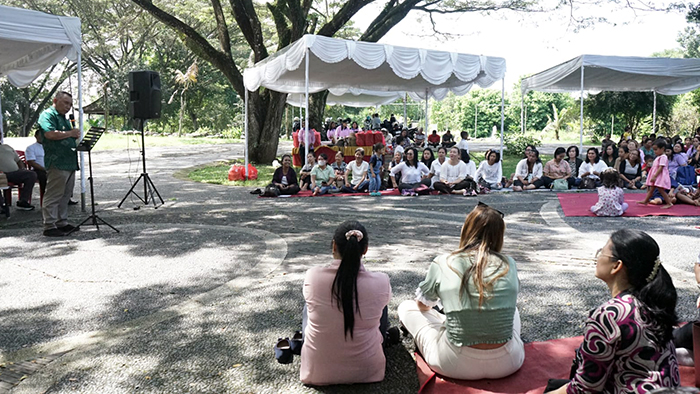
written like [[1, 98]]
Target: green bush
[[516, 143]]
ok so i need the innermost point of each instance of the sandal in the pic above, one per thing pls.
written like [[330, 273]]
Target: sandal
[[256, 191], [296, 342], [283, 351]]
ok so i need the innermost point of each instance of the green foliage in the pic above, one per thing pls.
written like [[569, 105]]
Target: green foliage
[[538, 107], [516, 143], [629, 108]]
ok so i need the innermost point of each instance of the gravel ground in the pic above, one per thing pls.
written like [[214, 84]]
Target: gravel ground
[[191, 297]]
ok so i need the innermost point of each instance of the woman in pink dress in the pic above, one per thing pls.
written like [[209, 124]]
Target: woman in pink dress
[[659, 177], [345, 306]]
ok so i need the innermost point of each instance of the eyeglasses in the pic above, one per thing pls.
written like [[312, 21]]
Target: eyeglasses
[[481, 204], [599, 253]]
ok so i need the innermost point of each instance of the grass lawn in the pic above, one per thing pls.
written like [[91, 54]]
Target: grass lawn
[[119, 141], [218, 174]]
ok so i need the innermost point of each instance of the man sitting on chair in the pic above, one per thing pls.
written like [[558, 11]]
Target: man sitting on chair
[[17, 173]]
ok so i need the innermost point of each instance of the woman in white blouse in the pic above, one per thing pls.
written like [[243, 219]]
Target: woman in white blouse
[[412, 172], [591, 169], [528, 171], [436, 165], [489, 173], [453, 176]]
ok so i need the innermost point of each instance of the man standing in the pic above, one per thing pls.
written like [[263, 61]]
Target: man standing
[[16, 172], [61, 159]]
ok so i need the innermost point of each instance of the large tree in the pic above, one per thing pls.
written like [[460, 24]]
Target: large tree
[[276, 25], [632, 108]]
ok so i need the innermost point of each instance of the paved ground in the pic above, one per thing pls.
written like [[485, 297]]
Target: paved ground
[[191, 297]]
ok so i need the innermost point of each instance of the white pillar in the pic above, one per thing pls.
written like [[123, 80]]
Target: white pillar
[[306, 106], [426, 112], [2, 131], [405, 99], [476, 113], [245, 131], [653, 124], [580, 148], [82, 133], [612, 125], [503, 119], [522, 112]]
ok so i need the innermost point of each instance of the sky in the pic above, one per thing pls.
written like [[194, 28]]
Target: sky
[[531, 42]]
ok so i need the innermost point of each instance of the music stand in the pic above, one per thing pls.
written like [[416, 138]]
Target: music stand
[[148, 185], [86, 145]]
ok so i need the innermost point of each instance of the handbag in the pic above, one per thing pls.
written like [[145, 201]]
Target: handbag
[[560, 184], [271, 191], [587, 183]]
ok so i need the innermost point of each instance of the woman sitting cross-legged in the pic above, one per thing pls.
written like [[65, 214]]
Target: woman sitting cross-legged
[[454, 177], [489, 173], [412, 172], [345, 315], [628, 342], [478, 337], [321, 176], [359, 169], [557, 168], [574, 163], [631, 170], [284, 178], [528, 172], [590, 170]]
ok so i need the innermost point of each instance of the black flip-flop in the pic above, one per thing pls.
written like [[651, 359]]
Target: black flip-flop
[[256, 191]]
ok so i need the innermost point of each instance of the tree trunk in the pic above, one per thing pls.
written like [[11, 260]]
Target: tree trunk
[[265, 110], [193, 117], [317, 107]]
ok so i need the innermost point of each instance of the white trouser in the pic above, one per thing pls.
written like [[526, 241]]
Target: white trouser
[[460, 362]]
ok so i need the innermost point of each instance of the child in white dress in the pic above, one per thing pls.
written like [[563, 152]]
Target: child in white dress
[[611, 198]]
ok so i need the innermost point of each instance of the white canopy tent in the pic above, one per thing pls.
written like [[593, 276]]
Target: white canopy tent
[[368, 68], [30, 43], [595, 73]]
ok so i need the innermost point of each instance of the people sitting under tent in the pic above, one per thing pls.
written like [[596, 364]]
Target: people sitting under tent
[[630, 170], [434, 139], [528, 173], [412, 174], [590, 170], [397, 159], [489, 174], [285, 178], [448, 140], [436, 165], [419, 138], [321, 176], [305, 173], [358, 169], [557, 171], [305, 139], [454, 178], [376, 122], [339, 166]]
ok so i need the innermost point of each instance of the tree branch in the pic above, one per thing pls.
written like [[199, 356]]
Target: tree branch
[[249, 24], [222, 28], [284, 34], [346, 12], [198, 44]]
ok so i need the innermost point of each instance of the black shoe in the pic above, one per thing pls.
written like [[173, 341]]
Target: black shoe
[[68, 228], [24, 206], [393, 337], [72, 202], [54, 232], [283, 351]]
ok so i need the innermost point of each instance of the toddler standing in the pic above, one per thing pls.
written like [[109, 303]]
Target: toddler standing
[[658, 177]]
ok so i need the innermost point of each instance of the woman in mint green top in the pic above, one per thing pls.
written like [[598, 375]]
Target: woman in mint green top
[[478, 336]]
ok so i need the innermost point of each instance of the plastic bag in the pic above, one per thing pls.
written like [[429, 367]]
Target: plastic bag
[[237, 173]]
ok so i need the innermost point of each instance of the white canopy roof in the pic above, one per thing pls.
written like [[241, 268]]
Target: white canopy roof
[[618, 73], [350, 97], [372, 67], [32, 41]]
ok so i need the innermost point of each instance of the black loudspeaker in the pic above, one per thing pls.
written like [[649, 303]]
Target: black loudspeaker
[[144, 95]]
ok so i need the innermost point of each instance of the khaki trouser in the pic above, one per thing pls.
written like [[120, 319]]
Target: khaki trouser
[[59, 187]]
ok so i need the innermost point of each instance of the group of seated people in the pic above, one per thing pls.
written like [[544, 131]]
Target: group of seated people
[[464, 318]]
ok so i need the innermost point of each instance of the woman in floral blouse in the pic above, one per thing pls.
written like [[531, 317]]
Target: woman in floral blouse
[[627, 345]]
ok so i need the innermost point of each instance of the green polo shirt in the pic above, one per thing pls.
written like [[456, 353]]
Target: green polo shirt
[[60, 154]]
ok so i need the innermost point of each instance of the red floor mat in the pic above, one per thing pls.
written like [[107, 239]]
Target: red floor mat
[[543, 361], [579, 204]]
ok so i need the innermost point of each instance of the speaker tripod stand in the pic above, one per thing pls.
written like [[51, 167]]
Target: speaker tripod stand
[[86, 145], [149, 189]]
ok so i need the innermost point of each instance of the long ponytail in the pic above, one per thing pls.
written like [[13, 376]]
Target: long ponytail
[[650, 282], [351, 242]]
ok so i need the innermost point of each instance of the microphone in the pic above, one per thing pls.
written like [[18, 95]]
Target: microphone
[[72, 120]]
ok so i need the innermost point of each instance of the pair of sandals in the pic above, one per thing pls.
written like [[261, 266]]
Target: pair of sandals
[[286, 348]]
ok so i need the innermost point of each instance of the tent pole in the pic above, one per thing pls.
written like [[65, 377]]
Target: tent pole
[[245, 131], [522, 112], [653, 126], [405, 99], [503, 106], [581, 133], [476, 113], [306, 106], [82, 134], [426, 110], [2, 131], [612, 125]]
